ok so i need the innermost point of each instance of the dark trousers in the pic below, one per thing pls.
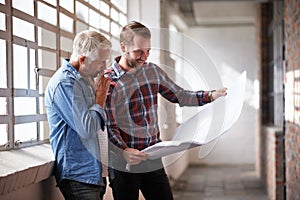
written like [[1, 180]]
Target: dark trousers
[[154, 185], [74, 190]]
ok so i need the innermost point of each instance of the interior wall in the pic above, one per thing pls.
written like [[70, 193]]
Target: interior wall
[[233, 50]]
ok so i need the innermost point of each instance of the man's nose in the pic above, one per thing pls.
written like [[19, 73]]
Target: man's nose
[[145, 55]]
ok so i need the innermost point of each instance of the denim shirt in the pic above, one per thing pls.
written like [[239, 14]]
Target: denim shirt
[[74, 121]]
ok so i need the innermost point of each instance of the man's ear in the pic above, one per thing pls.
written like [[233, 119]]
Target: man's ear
[[123, 47], [81, 59]]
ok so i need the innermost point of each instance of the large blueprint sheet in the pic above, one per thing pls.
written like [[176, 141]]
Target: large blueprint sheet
[[207, 125]]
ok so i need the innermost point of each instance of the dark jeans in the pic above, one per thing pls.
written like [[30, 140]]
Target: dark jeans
[[73, 190], [153, 185]]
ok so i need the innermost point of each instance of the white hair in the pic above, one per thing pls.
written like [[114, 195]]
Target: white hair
[[87, 43]]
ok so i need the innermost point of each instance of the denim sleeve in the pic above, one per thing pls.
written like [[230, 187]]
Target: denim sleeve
[[76, 106]]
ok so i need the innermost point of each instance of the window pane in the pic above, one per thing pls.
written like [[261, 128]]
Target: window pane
[[32, 70], [122, 4], [3, 134], [3, 106], [66, 23], [95, 3], [30, 107], [82, 12], [94, 19], [43, 84], [20, 25], [3, 83], [42, 108], [123, 20], [114, 14], [46, 38], [44, 130], [26, 132], [47, 60], [2, 22], [67, 5], [104, 23], [114, 28], [66, 44], [104, 8], [2, 1], [81, 26], [47, 13], [25, 6], [20, 67]]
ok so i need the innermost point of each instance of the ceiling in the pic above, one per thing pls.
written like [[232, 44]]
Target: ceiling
[[216, 12]]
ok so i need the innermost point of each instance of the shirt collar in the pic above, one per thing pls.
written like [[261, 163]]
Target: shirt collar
[[115, 72], [67, 66]]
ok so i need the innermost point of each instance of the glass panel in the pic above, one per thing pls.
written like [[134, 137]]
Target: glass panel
[[2, 22], [43, 84], [46, 38], [47, 13], [3, 134], [81, 26], [25, 6], [32, 70], [26, 132], [42, 109], [122, 4], [3, 106], [47, 60], [82, 12], [3, 80], [20, 66], [114, 14], [115, 44], [123, 19], [114, 28], [66, 23], [95, 3], [29, 109], [94, 19], [2, 1], [67, 5], [20, 25], [66, 44], [104, 7], [44, 130], [104, 23]]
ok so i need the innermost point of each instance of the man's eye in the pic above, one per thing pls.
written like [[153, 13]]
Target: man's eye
[[138, 52]]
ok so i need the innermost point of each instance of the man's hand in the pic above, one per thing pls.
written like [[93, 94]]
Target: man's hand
[[101, 87], [134, 156], [218, 93]]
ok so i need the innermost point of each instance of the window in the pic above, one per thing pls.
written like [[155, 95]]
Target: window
[[276, 65], [29, 58]]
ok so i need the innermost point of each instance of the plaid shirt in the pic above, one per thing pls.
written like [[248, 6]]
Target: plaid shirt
[[132, 104]]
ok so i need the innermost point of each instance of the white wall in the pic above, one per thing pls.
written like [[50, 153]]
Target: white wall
[[233, 50]]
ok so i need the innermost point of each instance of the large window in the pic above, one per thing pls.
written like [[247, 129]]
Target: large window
[[35, 35], [276, 65]]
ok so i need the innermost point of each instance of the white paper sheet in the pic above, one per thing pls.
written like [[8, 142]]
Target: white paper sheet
[[198, 130]]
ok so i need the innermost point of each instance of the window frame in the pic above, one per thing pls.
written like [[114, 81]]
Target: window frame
[[10, 93]]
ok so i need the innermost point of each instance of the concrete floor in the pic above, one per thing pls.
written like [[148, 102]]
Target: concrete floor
[[219, 183]]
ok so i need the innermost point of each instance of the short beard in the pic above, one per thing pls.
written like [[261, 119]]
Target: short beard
[[130, 62]]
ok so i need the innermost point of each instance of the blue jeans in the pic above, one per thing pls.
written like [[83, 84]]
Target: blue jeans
[[73, 190]]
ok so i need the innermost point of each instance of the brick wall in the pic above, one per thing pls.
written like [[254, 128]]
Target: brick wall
[[273, 169], [292, 98]]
